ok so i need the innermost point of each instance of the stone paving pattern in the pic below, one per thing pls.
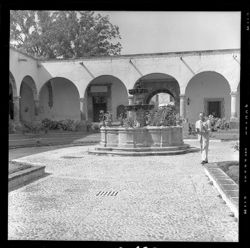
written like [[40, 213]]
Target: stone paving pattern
[[160, 198]]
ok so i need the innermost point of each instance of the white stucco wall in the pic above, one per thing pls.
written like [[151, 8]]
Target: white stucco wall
[[119, 96], [20, 69], [66, 104], [206, 85], [121, 67], [183, 66]]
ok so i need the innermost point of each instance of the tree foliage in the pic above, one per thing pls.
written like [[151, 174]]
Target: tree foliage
[[63, 34]]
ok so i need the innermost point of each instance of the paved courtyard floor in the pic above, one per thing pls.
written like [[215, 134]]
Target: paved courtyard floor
[[88, 197]]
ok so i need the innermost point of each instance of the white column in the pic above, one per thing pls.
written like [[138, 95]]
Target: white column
[[182, 106], [36, 101], [83, 110], [130, 102], [233, 106], [16, 103], [157, 100]]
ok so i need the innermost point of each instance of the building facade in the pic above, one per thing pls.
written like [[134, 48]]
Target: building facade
[[198, 81]]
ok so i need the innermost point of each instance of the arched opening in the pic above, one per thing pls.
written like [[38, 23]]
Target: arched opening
[[161, 98], [105, 93], [59, 99], [161, 85], [28, 95], [12, 94], [208, 92]]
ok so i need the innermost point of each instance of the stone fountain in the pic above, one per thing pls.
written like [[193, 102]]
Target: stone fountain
[[141, 140]]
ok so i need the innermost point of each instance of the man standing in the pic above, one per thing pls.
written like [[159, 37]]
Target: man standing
[[202, 127]]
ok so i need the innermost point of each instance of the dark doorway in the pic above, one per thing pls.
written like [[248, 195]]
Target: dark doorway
[[99, 103], [214, 108], [11, 105]]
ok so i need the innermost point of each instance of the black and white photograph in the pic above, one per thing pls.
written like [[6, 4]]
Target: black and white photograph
[[124, 125]]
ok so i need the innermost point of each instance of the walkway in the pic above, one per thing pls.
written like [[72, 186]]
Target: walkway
[[83, 138], [148, 198], [52, 138]]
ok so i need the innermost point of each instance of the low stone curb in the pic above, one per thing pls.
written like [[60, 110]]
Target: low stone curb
[[227, 188], [143, 153], [22, 177]]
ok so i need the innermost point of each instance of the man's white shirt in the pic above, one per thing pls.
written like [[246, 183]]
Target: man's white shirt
[[203, 126]]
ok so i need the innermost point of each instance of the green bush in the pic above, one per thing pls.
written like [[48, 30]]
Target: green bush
[[128, 122], [218, 123], [95, 127], [66, 125], [49, 124], [221, 124], [33, 127], [163, 116], [82, 125], [105, 118]]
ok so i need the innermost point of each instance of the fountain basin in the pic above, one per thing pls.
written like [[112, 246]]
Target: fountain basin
[[143, 141]]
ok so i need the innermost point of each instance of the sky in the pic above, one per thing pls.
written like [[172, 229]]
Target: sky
[[159, 32]]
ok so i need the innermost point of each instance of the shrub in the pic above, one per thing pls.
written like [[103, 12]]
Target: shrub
[[33, 127], [66, 125], [80, 126], [221, 124], [95, 127], [163, 116], [213, 121], [48, 124], [105, 118], [128, 122], [218, 123]]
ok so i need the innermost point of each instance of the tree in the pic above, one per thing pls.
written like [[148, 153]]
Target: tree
[[63, 34]]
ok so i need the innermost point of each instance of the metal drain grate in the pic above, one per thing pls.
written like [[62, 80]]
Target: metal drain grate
[[107, 193]]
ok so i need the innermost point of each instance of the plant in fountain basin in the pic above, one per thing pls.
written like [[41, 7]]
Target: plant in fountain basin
[[105, 118], [163, 116]]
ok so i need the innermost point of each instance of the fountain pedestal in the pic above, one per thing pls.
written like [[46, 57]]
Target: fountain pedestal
[[142, 141]]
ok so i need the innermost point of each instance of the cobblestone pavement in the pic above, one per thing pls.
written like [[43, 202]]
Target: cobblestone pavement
[[158, 198]]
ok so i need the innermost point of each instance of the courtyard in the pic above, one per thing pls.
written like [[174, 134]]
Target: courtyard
[[134, 97], [112, 198]]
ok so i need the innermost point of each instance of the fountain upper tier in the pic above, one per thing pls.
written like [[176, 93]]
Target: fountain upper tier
[[138, 102], [138, 91], [140, 106]]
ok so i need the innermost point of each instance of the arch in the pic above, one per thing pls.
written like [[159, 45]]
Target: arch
[[29, 81], [208, 92], [12, 82], [153, 93], [59, 99], [28, 93], [105, 92], [160, 83], [12, 94]]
